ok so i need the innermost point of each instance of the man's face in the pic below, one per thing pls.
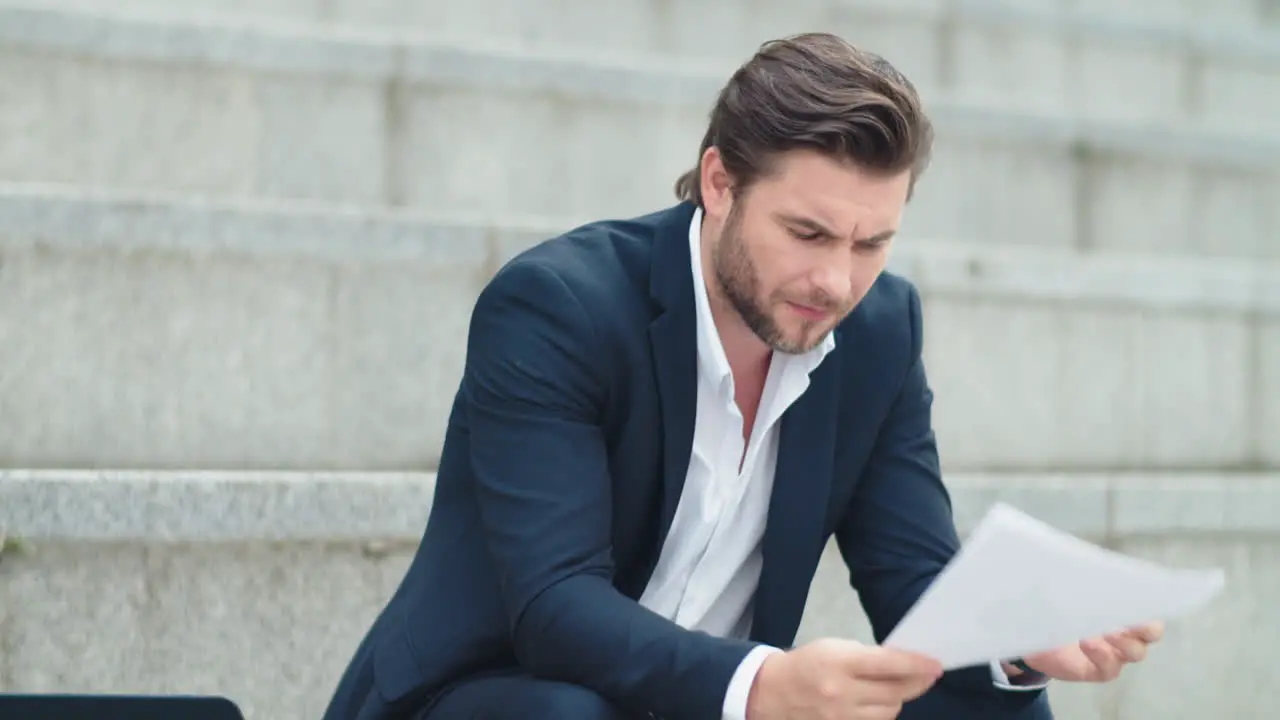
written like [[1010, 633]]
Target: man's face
[[799, 250]]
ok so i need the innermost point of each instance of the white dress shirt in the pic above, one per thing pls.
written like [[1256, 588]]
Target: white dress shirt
[[709, 567]]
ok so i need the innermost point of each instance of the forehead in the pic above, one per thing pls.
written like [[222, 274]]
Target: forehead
[[836, 193]]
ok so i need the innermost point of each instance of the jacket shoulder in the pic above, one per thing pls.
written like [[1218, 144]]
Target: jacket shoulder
[[890, 309], [886, 329], [602, 263]]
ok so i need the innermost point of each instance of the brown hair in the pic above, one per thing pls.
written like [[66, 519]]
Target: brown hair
[[814, 91]]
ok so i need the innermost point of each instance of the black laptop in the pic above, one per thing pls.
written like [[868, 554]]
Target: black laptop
[[116, 707]]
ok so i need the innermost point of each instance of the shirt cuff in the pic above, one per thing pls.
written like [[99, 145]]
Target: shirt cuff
[[735, 698], [1023, 683]]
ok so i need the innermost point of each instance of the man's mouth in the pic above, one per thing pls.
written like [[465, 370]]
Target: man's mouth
[[809, 312]]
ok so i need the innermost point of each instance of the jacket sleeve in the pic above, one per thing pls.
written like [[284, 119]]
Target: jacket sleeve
[[534, 388], [898, 532]]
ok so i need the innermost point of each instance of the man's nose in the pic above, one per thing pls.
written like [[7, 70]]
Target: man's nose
[[834, 279]]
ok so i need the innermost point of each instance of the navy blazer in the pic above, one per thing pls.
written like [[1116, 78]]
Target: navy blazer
[[563, 462]]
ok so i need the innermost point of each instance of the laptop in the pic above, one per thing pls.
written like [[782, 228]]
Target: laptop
[[116, 707]]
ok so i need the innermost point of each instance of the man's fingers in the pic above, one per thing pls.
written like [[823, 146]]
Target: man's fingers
[[1130, 648], [1149, 633], [891, 664], [879, 692], [914, 688], [891, 691], [1105, 658], [878, 712]]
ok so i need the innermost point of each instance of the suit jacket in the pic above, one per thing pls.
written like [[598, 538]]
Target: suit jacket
[[564, 457]]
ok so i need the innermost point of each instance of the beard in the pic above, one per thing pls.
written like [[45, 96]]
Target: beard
[[739, 280]]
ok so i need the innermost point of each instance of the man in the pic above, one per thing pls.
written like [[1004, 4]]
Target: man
[[663, 420]]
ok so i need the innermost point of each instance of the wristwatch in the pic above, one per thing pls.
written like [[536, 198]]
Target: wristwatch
[[1027, 674], [1024, 667]]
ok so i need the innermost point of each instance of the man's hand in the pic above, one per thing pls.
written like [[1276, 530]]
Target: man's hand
[[839, 680], [1098, 659]]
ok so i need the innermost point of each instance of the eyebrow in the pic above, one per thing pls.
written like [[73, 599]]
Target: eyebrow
[[819, 229], [879, 238]]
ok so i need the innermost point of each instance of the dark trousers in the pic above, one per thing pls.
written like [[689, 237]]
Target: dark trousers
[[516, 696], [513, 695]]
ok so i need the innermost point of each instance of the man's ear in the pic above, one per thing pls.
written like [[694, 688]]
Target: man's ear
[[716, 184]]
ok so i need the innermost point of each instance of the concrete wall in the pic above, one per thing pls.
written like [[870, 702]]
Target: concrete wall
[[253, 339], [1108, 153], [641, 27], [259, 585]]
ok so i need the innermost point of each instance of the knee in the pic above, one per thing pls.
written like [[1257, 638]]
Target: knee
[[562, 700]]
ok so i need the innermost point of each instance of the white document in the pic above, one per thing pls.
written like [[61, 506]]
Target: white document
[[1019, 586]]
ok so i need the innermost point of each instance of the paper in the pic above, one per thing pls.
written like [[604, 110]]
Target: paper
[[1019, 586]]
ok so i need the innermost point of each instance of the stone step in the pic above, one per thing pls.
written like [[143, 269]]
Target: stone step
[[365, 119], [653, 27], [166, 582], [151, 332]]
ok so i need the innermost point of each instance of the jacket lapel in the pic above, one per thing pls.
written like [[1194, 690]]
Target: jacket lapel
[[794, 534], [674, 343]]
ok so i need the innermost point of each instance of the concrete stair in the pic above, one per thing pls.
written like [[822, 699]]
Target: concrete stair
[[1120, 159], [640, 27], [146, 332], [239, 243], [257, 585]]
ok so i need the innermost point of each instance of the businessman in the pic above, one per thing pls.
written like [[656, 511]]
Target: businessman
[[663, 420]]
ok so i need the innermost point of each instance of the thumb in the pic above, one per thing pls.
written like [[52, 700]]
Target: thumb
[[892, 663]]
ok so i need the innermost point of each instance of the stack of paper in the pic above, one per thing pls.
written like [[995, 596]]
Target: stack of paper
[[1019, 586]]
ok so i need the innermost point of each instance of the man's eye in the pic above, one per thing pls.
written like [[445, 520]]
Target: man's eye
[[802, 235]]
